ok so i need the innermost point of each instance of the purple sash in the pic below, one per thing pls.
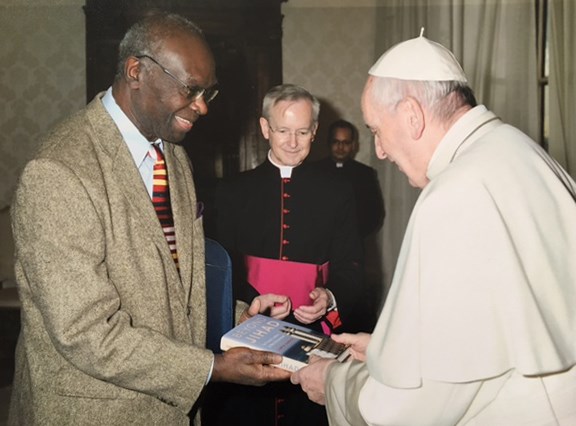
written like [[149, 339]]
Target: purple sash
[[293, 279]]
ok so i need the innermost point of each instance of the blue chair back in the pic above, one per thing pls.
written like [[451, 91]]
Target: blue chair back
[[219, 297]]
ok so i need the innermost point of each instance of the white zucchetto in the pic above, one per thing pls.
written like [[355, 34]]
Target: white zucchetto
[[419, 59]]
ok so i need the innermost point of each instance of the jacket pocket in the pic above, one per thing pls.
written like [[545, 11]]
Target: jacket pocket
[[77, 384]]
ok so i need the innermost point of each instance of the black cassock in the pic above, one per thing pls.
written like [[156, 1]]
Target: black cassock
[[311, 218], [369, 201]]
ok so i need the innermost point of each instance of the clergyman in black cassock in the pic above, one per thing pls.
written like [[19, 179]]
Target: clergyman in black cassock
[[288, 214]]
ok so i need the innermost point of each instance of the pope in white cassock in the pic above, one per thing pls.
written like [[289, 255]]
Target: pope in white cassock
[[479, 327]]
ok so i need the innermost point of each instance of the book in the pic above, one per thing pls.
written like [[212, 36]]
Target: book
[[295, 343]]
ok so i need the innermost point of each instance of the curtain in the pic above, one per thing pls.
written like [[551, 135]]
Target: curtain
[[495, 41], [562, 83]]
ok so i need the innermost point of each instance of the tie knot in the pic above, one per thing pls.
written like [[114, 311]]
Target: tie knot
[[158, 151]]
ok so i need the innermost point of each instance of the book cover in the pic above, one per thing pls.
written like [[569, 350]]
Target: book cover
[[294, 342]]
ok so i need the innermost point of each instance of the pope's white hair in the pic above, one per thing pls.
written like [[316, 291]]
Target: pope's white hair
[[441, 98]]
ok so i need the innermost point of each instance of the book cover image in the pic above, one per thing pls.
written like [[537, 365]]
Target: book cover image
[[295, 343]]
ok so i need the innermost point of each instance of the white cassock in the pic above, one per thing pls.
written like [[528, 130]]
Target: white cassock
[[479, 327]]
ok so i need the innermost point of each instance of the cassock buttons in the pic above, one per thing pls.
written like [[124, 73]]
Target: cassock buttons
[[285, 258], [285, 211], [285, 226], [285, 242], [286, 195]]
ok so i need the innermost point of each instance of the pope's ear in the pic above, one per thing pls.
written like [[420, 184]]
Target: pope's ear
[[265, 128], [413, 116]]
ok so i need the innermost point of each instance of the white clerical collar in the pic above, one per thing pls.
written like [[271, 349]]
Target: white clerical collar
[[285, 171]]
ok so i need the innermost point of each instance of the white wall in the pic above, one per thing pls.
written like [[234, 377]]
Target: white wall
[[327, 48], [42, 79], [42, 74]]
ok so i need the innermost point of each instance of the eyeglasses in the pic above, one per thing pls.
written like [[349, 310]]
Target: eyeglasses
[[191, 93], [285, 134]]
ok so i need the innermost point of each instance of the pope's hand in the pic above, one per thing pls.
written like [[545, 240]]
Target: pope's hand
[[357, 342], [312, 379]]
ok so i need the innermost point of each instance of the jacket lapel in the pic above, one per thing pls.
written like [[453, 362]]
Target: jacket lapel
[[129, 181]]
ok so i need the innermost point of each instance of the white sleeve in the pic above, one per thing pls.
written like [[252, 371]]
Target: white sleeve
[[354, 398], [343, 385], [434, 403]]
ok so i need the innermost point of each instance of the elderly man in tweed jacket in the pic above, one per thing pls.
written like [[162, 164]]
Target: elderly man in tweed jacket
[[113, 329]]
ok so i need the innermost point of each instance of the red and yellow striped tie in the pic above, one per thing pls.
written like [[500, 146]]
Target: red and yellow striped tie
[[161, 201]]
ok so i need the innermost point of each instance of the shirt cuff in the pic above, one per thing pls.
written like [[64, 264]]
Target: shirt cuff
[[210, 372], [333, 306]]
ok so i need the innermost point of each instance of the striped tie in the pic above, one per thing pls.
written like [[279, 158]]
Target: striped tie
[[161, 201]]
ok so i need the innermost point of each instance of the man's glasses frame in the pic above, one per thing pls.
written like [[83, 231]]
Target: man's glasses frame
[[191, 93]]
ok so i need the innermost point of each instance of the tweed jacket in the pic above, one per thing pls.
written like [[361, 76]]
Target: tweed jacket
[[111, 333]]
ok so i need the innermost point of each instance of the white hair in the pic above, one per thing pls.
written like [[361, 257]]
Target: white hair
[[441, 98]]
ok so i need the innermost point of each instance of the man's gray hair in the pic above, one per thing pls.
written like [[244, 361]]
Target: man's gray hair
[[145, 36], [289, 92]]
